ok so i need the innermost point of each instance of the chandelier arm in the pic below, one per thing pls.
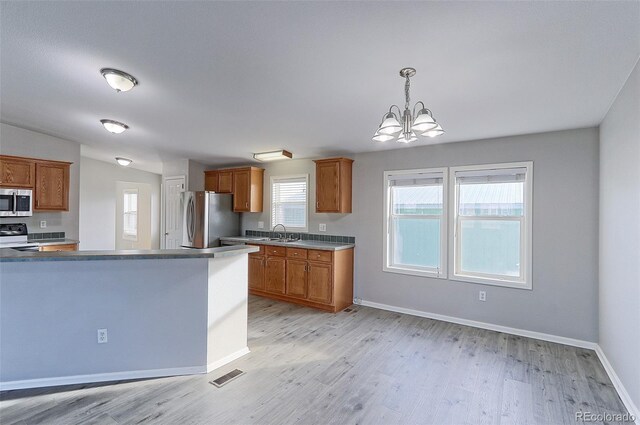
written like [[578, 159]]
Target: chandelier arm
[[414, 107], [399, 111]]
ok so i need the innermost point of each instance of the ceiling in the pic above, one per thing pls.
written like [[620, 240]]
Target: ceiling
[[221, 80]]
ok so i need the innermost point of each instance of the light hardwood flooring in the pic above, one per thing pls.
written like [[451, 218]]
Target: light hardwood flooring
[[366, 366]]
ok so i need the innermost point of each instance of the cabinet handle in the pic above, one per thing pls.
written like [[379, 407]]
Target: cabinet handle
[[317, 204], [37, 203], [246, 205], [295, 253]]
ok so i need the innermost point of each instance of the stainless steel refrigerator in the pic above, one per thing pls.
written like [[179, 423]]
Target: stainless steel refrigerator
[[207, 216]]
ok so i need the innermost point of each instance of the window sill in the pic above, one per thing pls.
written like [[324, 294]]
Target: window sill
[[493, 282], [413, 272]]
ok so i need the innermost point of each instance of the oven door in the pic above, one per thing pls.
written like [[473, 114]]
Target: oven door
[[15, 203]]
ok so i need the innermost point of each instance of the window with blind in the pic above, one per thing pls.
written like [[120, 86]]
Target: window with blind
[[416, 222], [289, 202], [130, 215], [492, 224]]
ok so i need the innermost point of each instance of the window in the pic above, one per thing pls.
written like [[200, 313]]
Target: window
[[492, 224], [130, 215], [415, 222], [289, 200]]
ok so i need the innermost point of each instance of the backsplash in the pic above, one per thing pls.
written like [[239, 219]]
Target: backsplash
[[51, 235], [303, 236]]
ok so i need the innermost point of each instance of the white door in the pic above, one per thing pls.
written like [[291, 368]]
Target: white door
[[173, 188]]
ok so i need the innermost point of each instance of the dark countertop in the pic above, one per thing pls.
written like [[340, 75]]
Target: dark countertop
[[11, 255], [324, 246]]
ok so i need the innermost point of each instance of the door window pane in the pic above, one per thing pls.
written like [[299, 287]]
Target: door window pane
[[490, 247], [416, 242]]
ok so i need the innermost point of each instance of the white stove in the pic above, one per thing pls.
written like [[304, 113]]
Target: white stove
[[14, 235]]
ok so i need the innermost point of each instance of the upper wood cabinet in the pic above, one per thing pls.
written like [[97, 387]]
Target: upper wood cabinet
[[247, 189], [52, 186], [244, 183], [17, 172], [48, 179], [211, 181], [333, 185]]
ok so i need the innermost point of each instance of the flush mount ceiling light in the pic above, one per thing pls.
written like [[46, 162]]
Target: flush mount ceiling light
[[115, 127], [119, 80], [404, 126], [273, 156], [123, 161]]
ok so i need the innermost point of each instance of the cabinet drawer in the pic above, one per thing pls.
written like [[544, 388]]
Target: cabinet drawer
[[259, 253], [297, 253], [317, 255], [275, 251], [60, 247]]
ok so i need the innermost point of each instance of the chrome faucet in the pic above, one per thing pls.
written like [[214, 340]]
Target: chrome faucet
[[285, 230]]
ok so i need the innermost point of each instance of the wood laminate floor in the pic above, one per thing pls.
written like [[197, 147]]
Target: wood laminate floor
[[367, 366]]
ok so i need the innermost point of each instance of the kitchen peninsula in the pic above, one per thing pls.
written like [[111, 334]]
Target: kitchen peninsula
[[91, 316]]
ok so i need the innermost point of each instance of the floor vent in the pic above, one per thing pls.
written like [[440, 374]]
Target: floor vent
[[225, 379], [348, 310]]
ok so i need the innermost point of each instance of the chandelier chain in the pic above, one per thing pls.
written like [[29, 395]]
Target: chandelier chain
[[407, 85]]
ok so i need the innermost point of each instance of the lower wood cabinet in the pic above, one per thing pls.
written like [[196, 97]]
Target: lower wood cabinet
[[315, 278], [60, 247]]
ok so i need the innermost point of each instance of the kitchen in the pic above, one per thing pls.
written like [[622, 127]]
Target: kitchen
[[318, 212]]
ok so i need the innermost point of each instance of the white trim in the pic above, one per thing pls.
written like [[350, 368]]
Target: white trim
[[526, 245], [100, 377], [441, 271], [617, 383], [227, 359], [289, 176], [482, 325]]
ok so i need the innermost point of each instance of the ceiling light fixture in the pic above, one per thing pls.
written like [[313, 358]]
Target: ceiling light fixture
[[119, 80], [273, 156], [403, 127], [123, 161], [115, 127]]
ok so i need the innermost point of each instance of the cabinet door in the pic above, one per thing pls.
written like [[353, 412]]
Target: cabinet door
[[241, 190], [52, 187], [297, 278], [327, 187], [16, 172], [211, 181], [225, 181], [275, 275], [256, 273], [320, 283]]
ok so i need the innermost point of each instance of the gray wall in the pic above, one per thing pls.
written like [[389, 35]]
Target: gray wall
[[49, 326], [98, 202], [620, 235], [20, 142], [564, 299]]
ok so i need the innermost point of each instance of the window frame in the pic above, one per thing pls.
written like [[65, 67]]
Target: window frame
[[526, 227], [125, 235], [274, 179], [387, 265]]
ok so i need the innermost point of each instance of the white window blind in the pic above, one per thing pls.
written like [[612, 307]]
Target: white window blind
[[130, 215], [289, 202]]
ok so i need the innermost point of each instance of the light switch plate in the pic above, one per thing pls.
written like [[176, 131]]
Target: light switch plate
[[322, 227], [261, 225]]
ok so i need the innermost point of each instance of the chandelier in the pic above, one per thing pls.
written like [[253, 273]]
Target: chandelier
[[423, 123]]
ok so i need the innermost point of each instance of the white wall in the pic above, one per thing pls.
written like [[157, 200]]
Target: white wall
[[620, 236], [98, 202], [564, 299], [20, 142]]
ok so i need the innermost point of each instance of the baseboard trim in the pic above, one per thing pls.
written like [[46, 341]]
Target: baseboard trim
[[227, 359], [99, 377], [483, 325], [617, 383]]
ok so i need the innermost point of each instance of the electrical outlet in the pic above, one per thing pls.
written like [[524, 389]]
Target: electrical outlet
[[322, 227], [102, 336], [43, 224], [261, 225], [482, 296]]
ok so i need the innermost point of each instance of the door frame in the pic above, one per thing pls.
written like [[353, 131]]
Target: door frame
[[163, 203]]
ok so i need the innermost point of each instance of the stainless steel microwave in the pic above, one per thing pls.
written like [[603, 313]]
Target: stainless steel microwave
[[16, 203]]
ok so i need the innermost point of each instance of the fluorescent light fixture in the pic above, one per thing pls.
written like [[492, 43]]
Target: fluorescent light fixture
[[115, 127], [119, 80], [123, 161], [273, 156]]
